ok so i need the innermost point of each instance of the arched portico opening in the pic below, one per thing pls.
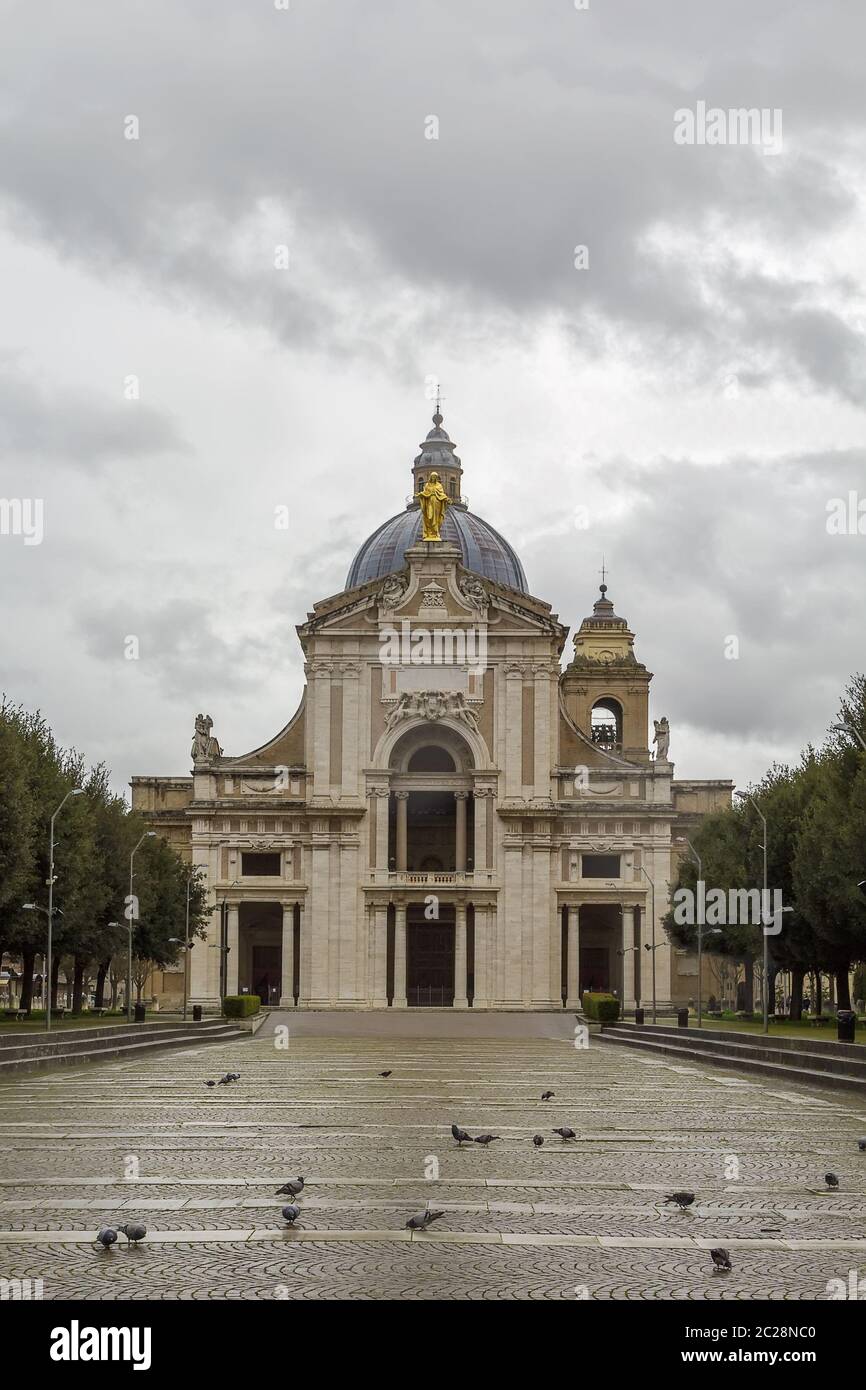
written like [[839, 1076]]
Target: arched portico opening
[[431, 813]]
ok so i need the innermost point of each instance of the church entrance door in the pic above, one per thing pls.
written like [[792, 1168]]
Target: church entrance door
[[429, 957], [266, 973]]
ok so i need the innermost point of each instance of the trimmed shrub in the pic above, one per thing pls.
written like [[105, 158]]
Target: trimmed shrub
[[241, 1005], [601, 1008]]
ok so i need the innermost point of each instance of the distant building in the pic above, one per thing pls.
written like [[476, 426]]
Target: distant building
[[449, 817]]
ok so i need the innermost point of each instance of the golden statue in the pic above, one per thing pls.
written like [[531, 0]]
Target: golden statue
[[433, 501]]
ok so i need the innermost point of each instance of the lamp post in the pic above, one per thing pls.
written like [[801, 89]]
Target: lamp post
[[73, 791], [684, 840], [186, 946], [130, 913], [653, 926], [744, 796]]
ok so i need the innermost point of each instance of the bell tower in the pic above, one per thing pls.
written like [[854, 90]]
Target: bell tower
[[605, 687]]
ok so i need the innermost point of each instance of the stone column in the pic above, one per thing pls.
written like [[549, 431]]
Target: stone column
[[305, 963], [379, 956], [233, 943], [320, 703], [479, 860], [399, 1001], [573, 996], [382, 801], [460, 999], [628, 958], [513, 740], [483, 923], [460, 799], [287, 973], [402, 829]]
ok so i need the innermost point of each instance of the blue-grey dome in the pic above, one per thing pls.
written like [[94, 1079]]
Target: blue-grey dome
[[483, 549]]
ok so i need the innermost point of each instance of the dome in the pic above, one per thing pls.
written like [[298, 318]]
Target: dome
[[484, 551]]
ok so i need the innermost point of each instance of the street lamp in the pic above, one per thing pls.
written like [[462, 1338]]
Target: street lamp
[[744, 796], [130, 913], [186, 946], [684, 840], [653, 927], [30, 907]]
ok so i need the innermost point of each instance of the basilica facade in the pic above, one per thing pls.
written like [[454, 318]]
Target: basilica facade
[[457, 814]]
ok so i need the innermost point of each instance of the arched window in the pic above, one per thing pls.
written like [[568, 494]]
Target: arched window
[[431, 759], [420, 483], [452, 487], [606, 722]]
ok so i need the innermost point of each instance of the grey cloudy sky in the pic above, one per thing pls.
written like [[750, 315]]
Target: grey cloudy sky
[[698, 389]]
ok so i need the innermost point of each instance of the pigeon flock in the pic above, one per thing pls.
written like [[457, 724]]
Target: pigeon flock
[[135, 1232]]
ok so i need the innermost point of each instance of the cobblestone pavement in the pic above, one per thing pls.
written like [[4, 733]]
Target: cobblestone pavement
[[587, 1219]]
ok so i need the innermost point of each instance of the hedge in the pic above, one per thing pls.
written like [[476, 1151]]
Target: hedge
[[241, 1005], [601, 1008]]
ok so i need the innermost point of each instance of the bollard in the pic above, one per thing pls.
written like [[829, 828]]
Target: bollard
[[682, 1018]]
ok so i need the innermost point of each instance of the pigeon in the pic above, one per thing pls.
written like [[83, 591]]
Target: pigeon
[[384, 1073], [210, 1083], [106, 1235], [486, 1139], [861, 1145], [548, 1095], [831, 1180], [461, 1136], [291, 1214], [721, 1258], [134, 1231], [682, 1199], [537, 1140], [422, 1220], [223, 1081], [291, 1189], [565, 1132]]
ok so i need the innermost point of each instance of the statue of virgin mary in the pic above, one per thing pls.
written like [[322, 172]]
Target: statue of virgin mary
[[433, 501]]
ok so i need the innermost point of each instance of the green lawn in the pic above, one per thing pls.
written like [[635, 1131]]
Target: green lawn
[[780, 1028], [36, 1022]]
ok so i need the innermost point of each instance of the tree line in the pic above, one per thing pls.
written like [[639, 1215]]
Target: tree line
[[94, 836], [816, 857]]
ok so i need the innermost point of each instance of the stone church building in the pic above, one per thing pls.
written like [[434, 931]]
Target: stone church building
[[451, 817]]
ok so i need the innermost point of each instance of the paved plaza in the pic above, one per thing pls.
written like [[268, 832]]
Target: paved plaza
[[118, 1140]]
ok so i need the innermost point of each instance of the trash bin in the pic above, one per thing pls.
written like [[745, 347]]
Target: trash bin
[[638, 1015], [682, 1018], [845, 1021], [139, 1013], [196, 1013]]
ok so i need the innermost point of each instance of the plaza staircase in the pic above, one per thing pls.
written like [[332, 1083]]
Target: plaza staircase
[[66, 1046], [800, 1061]]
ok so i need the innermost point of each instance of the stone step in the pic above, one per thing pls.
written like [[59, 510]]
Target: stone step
[[86, 1039], [819, 1046], [127, 1045], [802, 1071], [846, 1058]]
